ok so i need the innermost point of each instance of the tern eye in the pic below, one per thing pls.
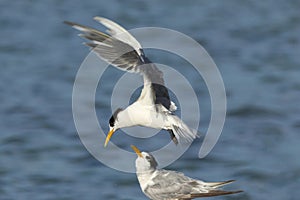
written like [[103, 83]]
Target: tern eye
[[148, 157]]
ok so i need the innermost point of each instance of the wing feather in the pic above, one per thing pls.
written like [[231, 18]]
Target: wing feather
[[211, 193], [174, 185], [120, 49], [120, 33]]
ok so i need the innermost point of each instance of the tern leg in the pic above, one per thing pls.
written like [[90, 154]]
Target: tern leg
[[172, 135]]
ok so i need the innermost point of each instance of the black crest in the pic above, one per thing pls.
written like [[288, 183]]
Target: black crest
[[114, 117], [151, 160]]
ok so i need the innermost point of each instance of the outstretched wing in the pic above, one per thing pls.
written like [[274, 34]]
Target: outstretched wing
[[110, 49], [120, 49], [174, 185]]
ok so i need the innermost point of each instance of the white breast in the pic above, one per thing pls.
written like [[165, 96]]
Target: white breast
[[145, 179], [146, 115]]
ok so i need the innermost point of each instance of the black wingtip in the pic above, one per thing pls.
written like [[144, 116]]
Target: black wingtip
[[227, 182], [238, 191], [69, 23], [214, 193]]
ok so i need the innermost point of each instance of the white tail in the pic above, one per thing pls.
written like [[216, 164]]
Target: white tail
[[181, 131]]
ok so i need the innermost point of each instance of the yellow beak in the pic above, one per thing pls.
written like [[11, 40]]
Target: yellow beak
[[136, 150], [109, 135]]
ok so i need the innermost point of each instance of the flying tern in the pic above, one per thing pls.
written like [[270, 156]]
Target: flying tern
[[154, 107]]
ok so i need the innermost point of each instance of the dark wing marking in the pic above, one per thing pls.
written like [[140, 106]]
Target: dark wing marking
[[125, 57], [110, 49]]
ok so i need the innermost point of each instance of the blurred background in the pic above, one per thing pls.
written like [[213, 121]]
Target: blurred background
[[255, 44]]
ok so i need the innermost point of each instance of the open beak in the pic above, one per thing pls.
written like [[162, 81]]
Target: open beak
[[109, 135], [137, 151]]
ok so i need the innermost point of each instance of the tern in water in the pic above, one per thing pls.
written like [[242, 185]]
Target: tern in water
[[153, 108], [159, 184]]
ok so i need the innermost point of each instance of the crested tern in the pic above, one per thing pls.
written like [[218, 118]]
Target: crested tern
[[159, 184], [154, 107]]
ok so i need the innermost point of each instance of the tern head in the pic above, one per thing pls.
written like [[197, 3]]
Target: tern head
[[114, 124], [145, 161]]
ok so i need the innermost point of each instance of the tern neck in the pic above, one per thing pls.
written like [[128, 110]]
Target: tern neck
[[145, 172]]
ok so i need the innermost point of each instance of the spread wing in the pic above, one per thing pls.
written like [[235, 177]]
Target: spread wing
[[174, 185], [120, 49]]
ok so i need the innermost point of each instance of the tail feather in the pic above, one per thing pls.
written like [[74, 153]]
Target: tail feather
[[181, 131]]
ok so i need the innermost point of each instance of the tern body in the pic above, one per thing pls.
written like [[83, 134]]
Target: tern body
[[144, 115], [153, 108], [159, 184], [139, 114]]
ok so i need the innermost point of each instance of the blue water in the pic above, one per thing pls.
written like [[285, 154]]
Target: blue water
[[255, 44]]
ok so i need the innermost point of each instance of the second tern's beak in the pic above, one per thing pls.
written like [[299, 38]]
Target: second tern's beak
[[109, 135], [137, 151]]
